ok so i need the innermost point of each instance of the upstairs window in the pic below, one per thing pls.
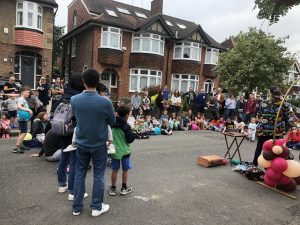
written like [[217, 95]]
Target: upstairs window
[[148, 43], [75, 18], [212, 56], [187, 51], [111, 38], [29, 15], [111, 12]]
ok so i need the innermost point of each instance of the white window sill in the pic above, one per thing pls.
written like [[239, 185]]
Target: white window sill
[[153, 53], [111, 48], [30, 28], [187, 59], [210, 64]]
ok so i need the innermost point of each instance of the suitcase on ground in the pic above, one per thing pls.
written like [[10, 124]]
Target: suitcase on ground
[[210, 160]]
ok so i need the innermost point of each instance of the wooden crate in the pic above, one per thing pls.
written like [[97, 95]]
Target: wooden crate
[[210, 160]]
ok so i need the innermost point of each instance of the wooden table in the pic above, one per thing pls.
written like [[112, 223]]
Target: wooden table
[[235, 141]]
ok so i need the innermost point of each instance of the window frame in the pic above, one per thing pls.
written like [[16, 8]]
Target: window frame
[[109, 32], [139, 75], [212, 52], [75, 18], [183, 45], [140, 15], [142, 38], [123, 10], [189, 80], [209, 82], [111, 12], [73, 48], [37, 15]]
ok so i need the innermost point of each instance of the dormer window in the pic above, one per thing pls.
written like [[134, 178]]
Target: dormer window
[[187, 51], [75, 18], [169, 23], [141, 15], [182, 26], [29, 15], [111, 37], [125, 11], [111, 12]]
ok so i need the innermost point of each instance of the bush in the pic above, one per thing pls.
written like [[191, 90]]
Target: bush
[[295, 102], [125, 101]]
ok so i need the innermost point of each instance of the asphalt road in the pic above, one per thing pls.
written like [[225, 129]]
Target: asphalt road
[[169, 188]]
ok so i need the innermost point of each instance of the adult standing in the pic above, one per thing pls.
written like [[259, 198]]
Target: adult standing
[[201, 101], [240, 105], [136, 102], [213, 107], [43, 90], [190, 98], [250, 108], [165, 94], [220, 98], [159, 104], [74, 87], [266, 115], [93, 114], [230, 106], [57, 90], [176, 102]]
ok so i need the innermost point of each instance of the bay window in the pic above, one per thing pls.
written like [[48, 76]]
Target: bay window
[[141, 78], [29, 15], [148, 43], [183, 82], [212, 56], [111, 38], [187, 51]]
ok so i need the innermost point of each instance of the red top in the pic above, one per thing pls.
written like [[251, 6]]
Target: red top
[[295, 137], [250, 106]]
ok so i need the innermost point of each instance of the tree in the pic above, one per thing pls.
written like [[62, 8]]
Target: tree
[[257, 60], [273, 9], [57, 45]]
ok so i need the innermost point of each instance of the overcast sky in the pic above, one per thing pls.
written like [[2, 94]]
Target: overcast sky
[[218, 18]]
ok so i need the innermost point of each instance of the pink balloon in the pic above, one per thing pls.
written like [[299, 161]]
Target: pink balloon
[[268, 145], [279, 142], [273, 175], [284, 180], [269, 182], [279, 165]]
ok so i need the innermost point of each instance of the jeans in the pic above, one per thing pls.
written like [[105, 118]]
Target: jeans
[[99, 158], [67, 158], [260, 141], [229, 113], [292, 144], [55, 157]]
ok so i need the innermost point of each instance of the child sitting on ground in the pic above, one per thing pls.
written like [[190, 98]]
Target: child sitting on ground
[[252, 129], [174, 123], [131, 120], [140, 130], [213, 125], [148, 125], [165, 129], [200, 121], [123, 137], [164, 116], [5, 125], [221, 124], [155, 122], [239, 125]]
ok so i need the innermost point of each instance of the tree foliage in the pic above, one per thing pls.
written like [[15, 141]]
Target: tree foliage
[[272, 10], [59, 31], [257, 60]]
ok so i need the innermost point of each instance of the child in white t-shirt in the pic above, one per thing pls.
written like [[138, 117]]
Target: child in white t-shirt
[[252, 129]]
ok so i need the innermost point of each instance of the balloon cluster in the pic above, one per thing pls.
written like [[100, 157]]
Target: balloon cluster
[[280, 173]]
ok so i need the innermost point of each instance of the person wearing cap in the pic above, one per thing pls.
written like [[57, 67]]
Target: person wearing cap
[[267, 118], [292, 140]]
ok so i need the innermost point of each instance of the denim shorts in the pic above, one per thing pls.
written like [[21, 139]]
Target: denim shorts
[[126, 164], [23, 126], [13, 114]]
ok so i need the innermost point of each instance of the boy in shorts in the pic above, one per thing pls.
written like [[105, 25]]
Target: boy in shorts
[[122, 138], [22, 105], [12, 106]]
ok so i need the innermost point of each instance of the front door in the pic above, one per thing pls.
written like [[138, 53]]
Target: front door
[[27, 70]]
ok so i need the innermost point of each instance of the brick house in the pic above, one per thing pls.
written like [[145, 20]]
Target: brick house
[[291, 77], [134, 48], [26, 38]]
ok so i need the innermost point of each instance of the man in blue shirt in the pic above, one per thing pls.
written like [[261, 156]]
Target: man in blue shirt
[[93, 115]]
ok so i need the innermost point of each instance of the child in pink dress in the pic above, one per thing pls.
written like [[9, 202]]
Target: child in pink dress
[[5, 125]]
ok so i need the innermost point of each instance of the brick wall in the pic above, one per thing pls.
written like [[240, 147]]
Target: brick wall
[[110, 56], [29, 38], [82, 14]]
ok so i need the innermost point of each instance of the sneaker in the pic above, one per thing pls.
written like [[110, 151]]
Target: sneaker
[[69, 148], [112, 191], [24, 148], [76, 213], [125, 191], [111, 149], [105, 208], [62, 189], [71, 197], [18, 150]]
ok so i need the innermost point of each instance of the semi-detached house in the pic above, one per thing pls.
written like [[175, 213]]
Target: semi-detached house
[[26, 39], [134, 47]]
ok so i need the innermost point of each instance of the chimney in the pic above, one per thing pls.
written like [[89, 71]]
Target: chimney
[[157, 7]]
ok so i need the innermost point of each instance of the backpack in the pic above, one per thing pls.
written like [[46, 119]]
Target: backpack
[[62, 123]]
